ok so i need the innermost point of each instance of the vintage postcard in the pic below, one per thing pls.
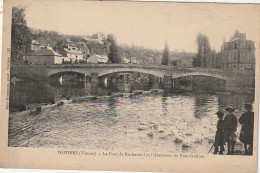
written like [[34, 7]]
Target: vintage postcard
[[130, 86]]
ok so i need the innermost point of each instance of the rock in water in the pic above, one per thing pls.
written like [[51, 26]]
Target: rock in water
[[186, 143], [142, 127]]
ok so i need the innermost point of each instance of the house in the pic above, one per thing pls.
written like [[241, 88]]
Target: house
[[97, 38], [72, 53], [125, 60], [42, 56], [238, 53], [94, 59]]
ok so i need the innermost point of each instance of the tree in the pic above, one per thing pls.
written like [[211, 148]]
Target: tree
[[113, 55], [203, 56], [59, 46], [20, 35], [196, 61], [165, 58], [236, 34]]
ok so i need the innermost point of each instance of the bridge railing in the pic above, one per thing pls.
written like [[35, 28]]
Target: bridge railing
[[97, 65], [157, 67]]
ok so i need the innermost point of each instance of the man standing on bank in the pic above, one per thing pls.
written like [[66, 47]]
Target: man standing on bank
[[247, 130], [219, 137], [230, 127]]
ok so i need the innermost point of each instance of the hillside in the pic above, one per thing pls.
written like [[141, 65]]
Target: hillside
[[97, 44]]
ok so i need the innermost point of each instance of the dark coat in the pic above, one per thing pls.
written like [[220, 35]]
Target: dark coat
[[230, 127], [230, 123], [219, 138], [246, 133]]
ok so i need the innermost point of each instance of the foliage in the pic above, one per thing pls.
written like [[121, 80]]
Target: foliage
[[165, 57], [236, 34], [204, 52], [139, 54], [196, 61], [113, 55], [21, 36], [173, 62], [59, 46]]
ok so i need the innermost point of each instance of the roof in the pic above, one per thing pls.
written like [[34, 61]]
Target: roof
[[62, 52], [102, 57], [35, 42], [234, 39], [98, 56], [42, 52], [73, 51]]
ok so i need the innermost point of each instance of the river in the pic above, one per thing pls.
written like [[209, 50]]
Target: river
[[164, 122]]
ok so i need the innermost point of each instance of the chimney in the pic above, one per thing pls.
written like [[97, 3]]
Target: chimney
[[243, 36]]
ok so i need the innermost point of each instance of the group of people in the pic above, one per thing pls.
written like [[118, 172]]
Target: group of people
[[227, 127]]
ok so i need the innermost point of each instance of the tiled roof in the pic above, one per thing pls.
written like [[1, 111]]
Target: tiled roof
[[62, 52], [73, 51], [42, 52]]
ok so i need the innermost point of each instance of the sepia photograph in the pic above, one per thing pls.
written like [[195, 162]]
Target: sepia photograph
[[151, 79]]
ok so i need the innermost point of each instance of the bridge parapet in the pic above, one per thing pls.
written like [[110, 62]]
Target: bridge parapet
[[105, 69]]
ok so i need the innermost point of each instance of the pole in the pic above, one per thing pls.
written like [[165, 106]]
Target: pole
[[211, 148]]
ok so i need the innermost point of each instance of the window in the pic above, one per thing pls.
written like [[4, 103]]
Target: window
[[235, 56], [235, 45]]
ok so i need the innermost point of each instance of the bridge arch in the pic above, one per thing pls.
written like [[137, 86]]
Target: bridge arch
[[55, 72], [206, 74], [156, 73]]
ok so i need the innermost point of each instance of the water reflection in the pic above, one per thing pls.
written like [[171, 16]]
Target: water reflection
[[111, 103], [164, 103], [236, 100], [102, 123]]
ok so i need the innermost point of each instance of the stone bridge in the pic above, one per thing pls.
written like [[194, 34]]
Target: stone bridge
[[44, 72], [39, 72]]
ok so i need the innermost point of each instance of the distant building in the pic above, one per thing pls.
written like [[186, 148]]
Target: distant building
[[238, 53], [72, 53], [97, 38], [42, 56], [125, 60], [94, 59], [84, 49]]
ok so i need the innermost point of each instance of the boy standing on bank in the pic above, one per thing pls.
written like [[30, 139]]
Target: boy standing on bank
[[230, 127], [219, 138]]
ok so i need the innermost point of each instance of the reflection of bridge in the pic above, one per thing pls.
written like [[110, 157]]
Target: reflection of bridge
[[43, 72]]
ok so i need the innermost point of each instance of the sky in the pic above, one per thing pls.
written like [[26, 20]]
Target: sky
[[147, 24]]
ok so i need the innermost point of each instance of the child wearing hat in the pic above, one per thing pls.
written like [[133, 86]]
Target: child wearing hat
[[219, 138], [230, 127], [246, 133]]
